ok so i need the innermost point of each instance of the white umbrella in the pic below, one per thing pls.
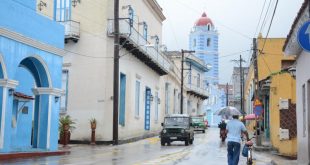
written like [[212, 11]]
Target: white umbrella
[[227, 111]]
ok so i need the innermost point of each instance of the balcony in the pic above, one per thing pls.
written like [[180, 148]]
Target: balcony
[[197, 91], [135, 43], [72, 30]]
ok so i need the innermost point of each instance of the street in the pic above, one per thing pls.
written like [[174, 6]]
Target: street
[[207, 148]]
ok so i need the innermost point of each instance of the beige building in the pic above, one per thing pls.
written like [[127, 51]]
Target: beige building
[[194, 81], [149, 81]]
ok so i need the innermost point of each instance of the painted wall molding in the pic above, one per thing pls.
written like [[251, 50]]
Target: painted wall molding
[[48, 91], [8, 83], [31, 42]]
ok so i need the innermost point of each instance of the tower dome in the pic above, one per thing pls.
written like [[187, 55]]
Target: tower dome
[[203, 20]]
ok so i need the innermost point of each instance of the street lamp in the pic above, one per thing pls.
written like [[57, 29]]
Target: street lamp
[[292, 71], [182, 78]]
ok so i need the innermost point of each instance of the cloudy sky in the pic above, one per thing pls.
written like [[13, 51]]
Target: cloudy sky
[[237, 22]]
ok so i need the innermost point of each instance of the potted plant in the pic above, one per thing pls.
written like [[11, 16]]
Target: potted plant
[[93, 125], [65, 128]]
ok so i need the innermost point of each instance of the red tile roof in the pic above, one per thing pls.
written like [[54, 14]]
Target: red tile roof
[[23, 96]]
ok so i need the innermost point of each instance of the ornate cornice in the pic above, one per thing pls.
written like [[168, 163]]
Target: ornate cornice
[[8, 83], [31, 42], [47, 91]]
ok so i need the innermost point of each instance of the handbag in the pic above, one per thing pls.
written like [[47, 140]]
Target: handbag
[[245, 150]]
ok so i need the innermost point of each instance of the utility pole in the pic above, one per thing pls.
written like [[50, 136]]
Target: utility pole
[[241, 86], [240, 61], [256, 92], [182, 78], [227, 94], [116, 72]]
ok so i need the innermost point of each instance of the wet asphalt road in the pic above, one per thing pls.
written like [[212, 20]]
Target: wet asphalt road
[[207, 149]]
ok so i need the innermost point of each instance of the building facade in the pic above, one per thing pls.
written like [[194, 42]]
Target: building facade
[[31, 54], [270, 62], [203, 39], [88, 69], [292, 47], [236, 92], [194, 76]]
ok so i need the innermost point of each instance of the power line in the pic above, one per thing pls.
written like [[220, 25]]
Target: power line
[[261, 13], [233, 54], [265, 18], [274, 12]]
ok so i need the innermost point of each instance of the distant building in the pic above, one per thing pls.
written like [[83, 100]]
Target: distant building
[[235, 79], [228, 90], [203, 39], [194, 76]]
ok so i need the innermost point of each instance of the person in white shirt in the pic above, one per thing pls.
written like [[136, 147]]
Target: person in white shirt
[[235, 128]]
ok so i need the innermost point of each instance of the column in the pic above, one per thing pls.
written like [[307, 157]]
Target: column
[[47, 117]]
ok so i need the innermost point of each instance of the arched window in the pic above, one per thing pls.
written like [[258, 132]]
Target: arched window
[[208, 42], [209, 27]]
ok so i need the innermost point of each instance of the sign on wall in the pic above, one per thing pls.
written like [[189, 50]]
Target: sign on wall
[[303, 36]]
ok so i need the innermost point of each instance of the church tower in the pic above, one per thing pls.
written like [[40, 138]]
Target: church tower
[[203, 39]]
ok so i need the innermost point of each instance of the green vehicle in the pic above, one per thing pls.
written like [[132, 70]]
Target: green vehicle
[[198, 123], [177, 127]]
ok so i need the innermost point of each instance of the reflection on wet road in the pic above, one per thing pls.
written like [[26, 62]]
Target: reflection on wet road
[[207, 149]]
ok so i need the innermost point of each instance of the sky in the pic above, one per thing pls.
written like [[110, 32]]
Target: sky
[[237, 22]]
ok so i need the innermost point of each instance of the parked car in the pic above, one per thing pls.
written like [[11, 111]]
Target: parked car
[[177, 127], [198, 123]]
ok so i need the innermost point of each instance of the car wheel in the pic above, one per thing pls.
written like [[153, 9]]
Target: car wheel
[[191, 141], [162, 143], [186, 142], [169, 143], [203, 131]]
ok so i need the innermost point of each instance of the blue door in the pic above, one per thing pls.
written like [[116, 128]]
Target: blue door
[[122, 99], [147, 109]]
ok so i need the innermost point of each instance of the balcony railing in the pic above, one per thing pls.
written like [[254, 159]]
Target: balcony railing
[[134, 42], [72, 30], [197, 91]]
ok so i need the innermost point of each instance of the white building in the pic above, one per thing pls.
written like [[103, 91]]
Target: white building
[[292, 47], [194, 82], [146, 76]]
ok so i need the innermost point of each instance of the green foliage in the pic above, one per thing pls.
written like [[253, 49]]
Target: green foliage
[[93, 121], [66, 120]]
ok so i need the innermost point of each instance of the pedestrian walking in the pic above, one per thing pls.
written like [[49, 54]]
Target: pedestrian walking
[[235, 128]]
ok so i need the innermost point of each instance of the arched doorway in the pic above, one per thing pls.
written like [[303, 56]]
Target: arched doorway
[[30, 112]]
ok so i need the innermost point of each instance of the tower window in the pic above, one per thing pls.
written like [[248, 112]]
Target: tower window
[[194, 43], [208, 42]]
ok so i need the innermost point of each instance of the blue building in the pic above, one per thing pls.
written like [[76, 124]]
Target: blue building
[[203, 39], [31, 50], [216, 101]]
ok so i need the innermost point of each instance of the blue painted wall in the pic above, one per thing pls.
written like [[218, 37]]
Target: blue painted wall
[[198, 41], [21, 17]]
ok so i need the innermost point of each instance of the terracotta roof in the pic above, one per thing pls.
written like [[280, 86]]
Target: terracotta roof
[[301, 10], [22, 96], [203, 20]]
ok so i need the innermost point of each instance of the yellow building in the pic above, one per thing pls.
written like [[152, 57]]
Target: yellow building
[[269, 61], [283, 91]]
